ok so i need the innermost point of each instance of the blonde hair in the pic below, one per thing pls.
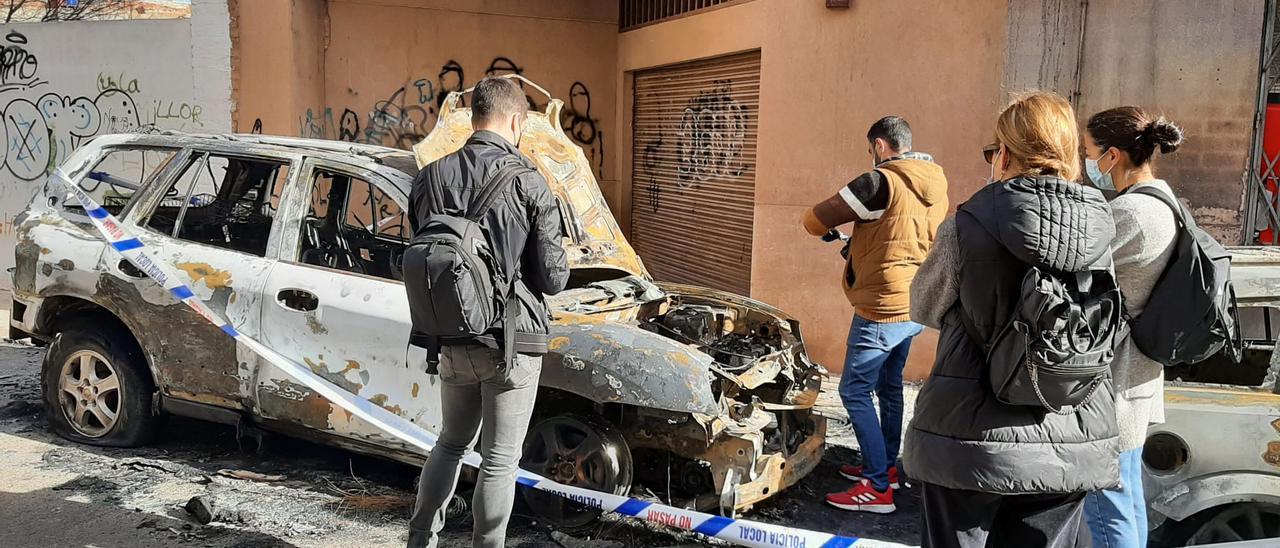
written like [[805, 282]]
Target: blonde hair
[[1038, 129]]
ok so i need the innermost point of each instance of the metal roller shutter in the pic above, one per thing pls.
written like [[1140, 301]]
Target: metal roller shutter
[[693, 170]]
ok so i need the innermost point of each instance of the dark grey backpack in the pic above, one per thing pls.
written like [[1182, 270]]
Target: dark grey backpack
[[457, 287], [1191, 314]]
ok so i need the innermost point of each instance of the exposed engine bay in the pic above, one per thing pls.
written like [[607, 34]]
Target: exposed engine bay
[[713, 330], [754, 352], [763, 384]]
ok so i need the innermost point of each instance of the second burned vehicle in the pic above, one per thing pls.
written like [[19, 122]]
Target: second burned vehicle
[[703, 396]]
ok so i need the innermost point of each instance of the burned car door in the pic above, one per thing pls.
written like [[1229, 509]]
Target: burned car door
[[335, 303], [212, 220]]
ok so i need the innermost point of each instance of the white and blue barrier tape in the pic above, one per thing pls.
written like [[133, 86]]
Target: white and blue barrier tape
[[738, 531]]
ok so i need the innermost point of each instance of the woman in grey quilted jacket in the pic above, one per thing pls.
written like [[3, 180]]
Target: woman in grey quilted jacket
[[1120, 146]]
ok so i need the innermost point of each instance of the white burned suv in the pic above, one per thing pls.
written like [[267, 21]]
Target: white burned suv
[[298, 243]]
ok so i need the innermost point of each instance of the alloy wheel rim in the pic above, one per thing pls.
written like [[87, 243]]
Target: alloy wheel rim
[[90, 394], [1245, 522], [574, 452]]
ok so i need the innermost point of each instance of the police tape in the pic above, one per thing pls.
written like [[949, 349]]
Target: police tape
[[738, 531]]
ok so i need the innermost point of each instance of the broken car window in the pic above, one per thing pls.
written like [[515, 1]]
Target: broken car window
[[223, 201], [120, 173], [354, 226]]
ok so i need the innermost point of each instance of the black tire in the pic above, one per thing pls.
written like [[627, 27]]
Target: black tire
[[1245, 520], [568, 516], [135, 422]]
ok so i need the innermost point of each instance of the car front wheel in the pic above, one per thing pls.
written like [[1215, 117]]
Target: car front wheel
[[578, 450], [97, 389]]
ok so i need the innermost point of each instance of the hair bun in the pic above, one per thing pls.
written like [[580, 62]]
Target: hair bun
[[1163, 134]]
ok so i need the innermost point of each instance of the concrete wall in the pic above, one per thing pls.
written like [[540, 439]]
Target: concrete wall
[[1194, 61], [375, 71], [63, 83], [826, 75]]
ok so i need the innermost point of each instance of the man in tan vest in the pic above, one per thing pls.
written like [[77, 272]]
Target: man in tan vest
[[896, 209]]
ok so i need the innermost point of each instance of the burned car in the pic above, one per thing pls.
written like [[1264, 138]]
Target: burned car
[[703, 396], [1211, 471]]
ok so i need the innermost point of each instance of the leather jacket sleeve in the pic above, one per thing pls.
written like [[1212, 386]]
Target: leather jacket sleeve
[[547, 265]]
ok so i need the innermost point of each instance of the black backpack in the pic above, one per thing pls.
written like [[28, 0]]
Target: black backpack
[[1191, 314], [457, 287], [1057, 347]]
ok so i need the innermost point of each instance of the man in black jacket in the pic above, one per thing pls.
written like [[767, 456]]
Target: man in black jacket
[[477, 385]]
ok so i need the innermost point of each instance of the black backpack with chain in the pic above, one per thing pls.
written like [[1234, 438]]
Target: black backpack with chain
[[1057, 347]]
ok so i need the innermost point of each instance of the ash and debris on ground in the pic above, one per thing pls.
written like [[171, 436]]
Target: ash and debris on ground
[[199, 485]]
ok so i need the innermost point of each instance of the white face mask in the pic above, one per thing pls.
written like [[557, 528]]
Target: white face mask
[[1100, 179]]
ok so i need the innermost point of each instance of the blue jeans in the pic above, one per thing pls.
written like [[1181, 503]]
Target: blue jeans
[[876, 355], [1118, 517]]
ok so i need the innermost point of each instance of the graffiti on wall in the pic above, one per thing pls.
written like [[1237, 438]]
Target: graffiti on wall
[[582, 127], [406, 114], [118, 81], [650, 163], [18, 66], [42, 126], [712, 135]]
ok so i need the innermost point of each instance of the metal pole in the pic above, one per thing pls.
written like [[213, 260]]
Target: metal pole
[[1255, 193]]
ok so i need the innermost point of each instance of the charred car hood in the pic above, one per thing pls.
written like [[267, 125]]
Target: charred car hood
[[594, 239], [679, 348]]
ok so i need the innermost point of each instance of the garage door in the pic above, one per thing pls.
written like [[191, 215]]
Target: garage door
[[693, 171]]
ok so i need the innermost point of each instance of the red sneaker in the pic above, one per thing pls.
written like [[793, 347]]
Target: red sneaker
[[863, 498], [854, 473]]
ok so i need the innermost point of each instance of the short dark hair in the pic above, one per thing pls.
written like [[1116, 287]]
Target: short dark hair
[[894, 130], [495, 97]]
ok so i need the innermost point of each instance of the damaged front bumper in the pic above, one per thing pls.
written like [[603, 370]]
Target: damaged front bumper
[[747, 472], [729, 462]]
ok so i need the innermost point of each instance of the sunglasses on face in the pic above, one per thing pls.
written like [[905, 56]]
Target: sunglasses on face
[[989, 152]]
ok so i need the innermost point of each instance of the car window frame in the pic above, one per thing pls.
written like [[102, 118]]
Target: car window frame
[[140, 193], [346, 213], [154, 193], [297, 200]]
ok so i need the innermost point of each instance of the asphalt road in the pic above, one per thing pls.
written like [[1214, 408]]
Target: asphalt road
[[56, 493]]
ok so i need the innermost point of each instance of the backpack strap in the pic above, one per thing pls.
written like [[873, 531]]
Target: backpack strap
[[476, 211], [1179, 212], [1180, 216], [485, 199]]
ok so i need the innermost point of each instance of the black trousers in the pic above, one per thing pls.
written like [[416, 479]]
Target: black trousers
[[955, 518]]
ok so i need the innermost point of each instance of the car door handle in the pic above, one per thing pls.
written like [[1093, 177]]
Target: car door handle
[[129, 270], [297, 299]]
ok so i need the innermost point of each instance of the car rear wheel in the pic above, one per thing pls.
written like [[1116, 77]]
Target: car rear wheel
[[1233, 522], [578, 450], [96, 387]]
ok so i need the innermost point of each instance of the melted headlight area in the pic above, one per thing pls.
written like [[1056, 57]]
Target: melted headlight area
[[759, 360]]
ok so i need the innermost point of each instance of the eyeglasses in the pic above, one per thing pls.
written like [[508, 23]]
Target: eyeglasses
[[989, 152]]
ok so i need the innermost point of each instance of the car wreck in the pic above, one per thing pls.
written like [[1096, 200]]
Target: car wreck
[[1212, 469], [705, 397]]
